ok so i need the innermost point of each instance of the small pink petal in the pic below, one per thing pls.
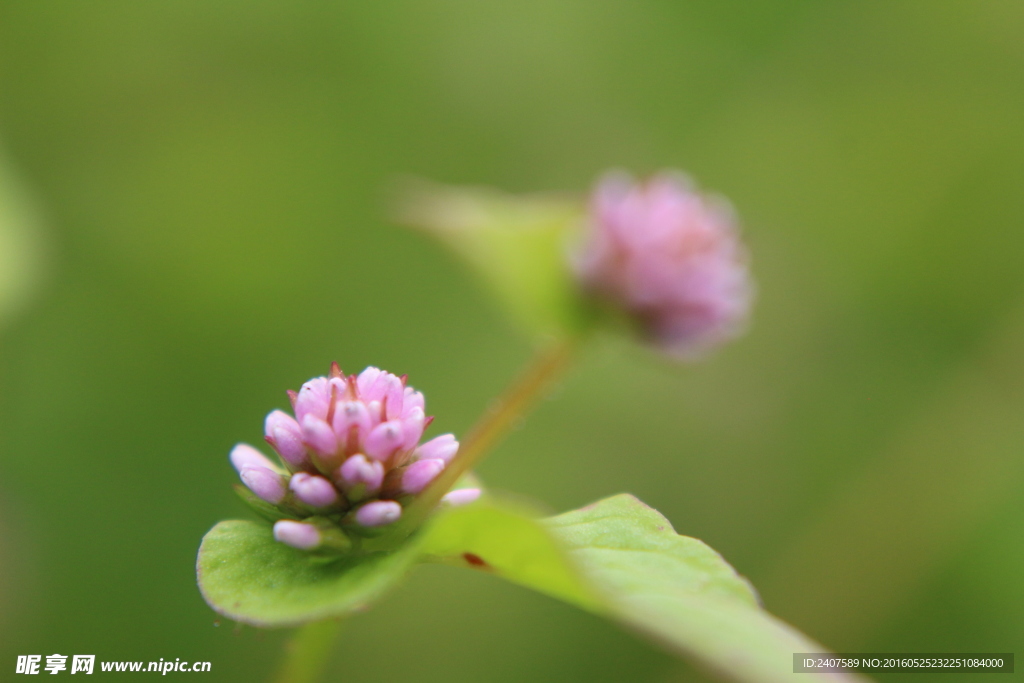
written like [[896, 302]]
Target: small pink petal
[[318, 435], [360, 470], [244, 455], [314, 399], [266, 484], [420, 474], [394, 394], [285, 435], [313, 490], [297, 534], [376, 412], [366, 381], [443, 447], [461, 497], [349, 415], [384, 440], [413, 424], [379, 513], [413, 399]]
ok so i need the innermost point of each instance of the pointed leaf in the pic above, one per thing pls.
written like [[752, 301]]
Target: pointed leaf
[[621, 559], [516, 245], [617, 558]]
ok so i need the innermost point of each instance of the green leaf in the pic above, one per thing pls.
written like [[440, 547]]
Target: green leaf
[[616, 558], [516, 245], [508, 541], [246, 575], [621, 559]]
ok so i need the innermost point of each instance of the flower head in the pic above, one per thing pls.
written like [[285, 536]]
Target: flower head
[[352, 456], [668, 256]]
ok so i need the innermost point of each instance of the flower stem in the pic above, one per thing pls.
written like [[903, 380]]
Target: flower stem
[[308, 651], [547, 365]]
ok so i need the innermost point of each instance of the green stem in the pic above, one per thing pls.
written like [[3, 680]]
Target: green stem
[[308, 652], [548, 364]]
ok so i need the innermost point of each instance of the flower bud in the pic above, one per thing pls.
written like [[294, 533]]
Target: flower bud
[[297, 534], [668, 257], [314, 399], [419, 475], [366, 383], [413, 399], [312, 490], [353, 441], [285, 435], [318, 435], [460, 497], [351, 424], [313, 533], [244, 455], [442, 447], [394, 399], [265, 483], [361, 477], [378, 513], [413, 424], [384, 440]]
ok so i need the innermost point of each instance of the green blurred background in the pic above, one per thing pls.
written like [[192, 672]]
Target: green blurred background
[[210, 180]]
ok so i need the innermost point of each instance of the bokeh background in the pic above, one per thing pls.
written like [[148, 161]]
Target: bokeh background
[[195, 219]]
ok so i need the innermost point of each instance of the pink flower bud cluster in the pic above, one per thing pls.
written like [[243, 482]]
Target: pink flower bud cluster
[[352, 456], [670, 258]]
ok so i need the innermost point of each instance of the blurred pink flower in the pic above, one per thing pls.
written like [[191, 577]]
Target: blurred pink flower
[[669, 257]]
